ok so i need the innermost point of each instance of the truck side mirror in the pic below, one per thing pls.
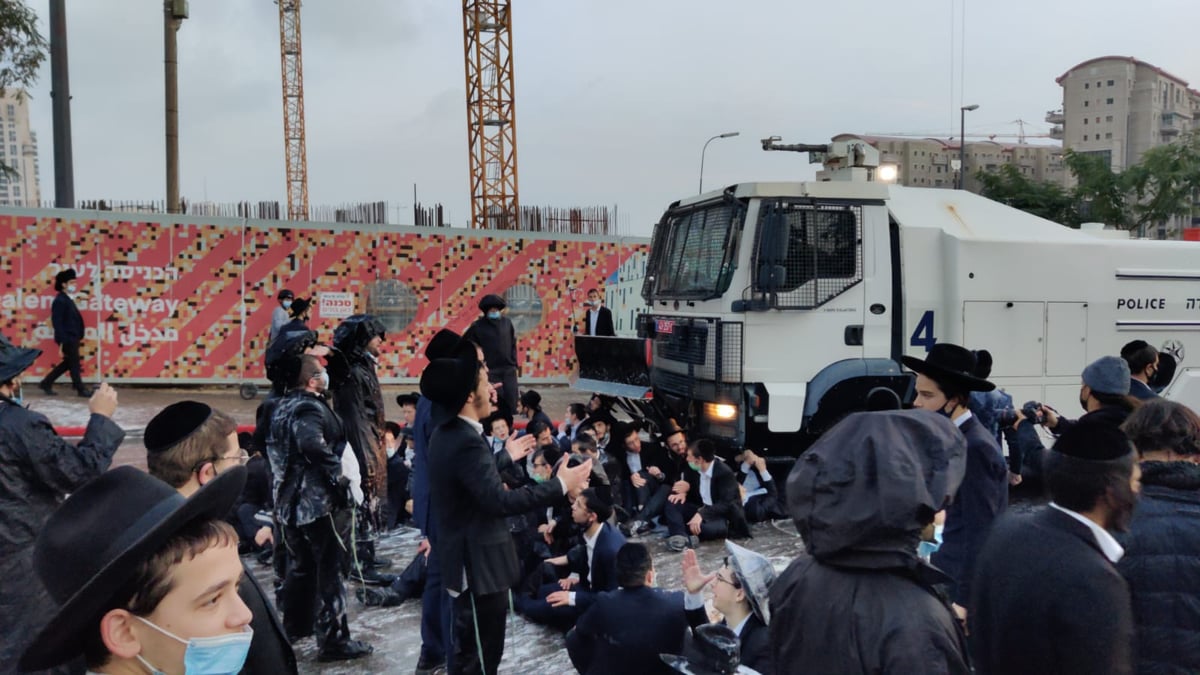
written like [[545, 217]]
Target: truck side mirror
[[772, 278]]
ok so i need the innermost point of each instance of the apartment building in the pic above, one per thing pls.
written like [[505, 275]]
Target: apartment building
[[18, 151], [930, 162], [1118, 107]]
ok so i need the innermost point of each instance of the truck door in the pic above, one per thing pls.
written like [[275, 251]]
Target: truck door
[[882, 312]]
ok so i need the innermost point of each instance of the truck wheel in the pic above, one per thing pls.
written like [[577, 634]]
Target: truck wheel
[[248, 391]]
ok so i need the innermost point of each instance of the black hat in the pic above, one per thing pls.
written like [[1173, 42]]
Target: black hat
[[670, 428], [175, 423], [63, 277], [285, 294], [497, 415], [442, 344], [356, 331], [283, 356], [1165, 372], [300, 306], [492, 301], [408, 399], [983, 363], [1093, 440], [530, 399], [14, 360], [711, 649], [91, 547], [952, 364], [449, 381]]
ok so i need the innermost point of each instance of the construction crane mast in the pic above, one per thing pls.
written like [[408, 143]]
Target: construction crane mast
[[291, 65], [491, 114]]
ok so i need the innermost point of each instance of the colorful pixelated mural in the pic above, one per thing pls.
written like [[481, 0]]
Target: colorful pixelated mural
[[189, 300]]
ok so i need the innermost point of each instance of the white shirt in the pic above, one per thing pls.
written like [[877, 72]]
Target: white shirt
[[751, 484], [706, 485], [590, 542], [593, 317], [961, 419], [737, 630], [1112, 550]]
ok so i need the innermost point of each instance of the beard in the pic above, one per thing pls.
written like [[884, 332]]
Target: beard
[[1122, 501]]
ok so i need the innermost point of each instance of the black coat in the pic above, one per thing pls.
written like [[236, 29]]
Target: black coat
[[881, 615], [1140, 390], [726, 499], [625, 630], [306, 458], [604, 323], [270, 650], [1162, 567], [1046, 600], [756, 646], [470, 504], [37, 470], [66, 319], [498, 339], [982, 496], [358, 401]]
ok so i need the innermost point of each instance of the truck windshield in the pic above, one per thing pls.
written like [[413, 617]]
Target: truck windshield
[[694, 251]]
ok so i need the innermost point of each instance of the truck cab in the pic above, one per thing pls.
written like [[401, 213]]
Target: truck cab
[[775, 309]]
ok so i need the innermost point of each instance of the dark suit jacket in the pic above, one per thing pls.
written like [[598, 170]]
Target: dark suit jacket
[[726, 499], [1140, 390], [469, 506], [604, 323], [66, 319], [1046, 600], [625, 630], [756, 646], [982, 496], [652, 454], [270, 651], [603, 567]]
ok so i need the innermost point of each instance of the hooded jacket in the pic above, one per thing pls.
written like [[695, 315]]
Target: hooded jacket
[[1162, 566], [358, 401], [860, 600]]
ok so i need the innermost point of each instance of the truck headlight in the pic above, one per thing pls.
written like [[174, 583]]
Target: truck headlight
[[887, 173], [720, 411]]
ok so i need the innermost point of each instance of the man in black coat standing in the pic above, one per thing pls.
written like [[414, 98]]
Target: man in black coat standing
[[474, 547], [495, 334], [68, 333], [597, 320], [1047, 595]]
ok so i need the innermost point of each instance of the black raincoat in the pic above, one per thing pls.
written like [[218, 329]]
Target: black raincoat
[[358, 400], [860, 600], [305, 459], [37, 470]]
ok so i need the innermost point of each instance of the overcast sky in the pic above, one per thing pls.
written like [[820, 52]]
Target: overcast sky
[[614, 98]]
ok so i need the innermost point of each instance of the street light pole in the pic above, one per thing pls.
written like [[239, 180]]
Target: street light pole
[[729, 134], [174, 12], [962, 143]]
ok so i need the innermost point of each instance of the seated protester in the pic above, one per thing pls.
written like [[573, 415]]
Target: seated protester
[[188, 445], [576, 414], [409, 584], [760, 494], [641, 474], [624, 631], [514, 464], [591, 567], [599, 403], [398, 474], [256, 507], [530, 405], [602, 424], [712, 506], [586, 447], [533, 545], [859, 600], [140, 572], [740, 594], [1162, 549], [563, 534], [497, 427]]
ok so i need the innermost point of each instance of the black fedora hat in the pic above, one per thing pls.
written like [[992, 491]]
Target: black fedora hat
[[950, 363], [492, 301], [711, 649], [410, 398], [14, 360], [63, 277], [300, 306], [90, 548], [442, 344], [449, 381]]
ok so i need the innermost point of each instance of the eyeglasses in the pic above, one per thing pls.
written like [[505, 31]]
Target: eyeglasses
[[241, 458]]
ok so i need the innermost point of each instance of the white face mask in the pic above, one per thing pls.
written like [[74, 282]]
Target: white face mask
[[391, 451]]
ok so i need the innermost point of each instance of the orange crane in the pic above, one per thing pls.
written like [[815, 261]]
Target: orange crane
[[291, 64], [491, 114]]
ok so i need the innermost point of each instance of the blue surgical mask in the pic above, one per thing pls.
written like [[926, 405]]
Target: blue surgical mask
[[71, 288], [287, 304], [218, 655], [493, 314]]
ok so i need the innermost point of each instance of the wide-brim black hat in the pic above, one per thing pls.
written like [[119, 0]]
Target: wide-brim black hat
[[949, 363], [442, 344], [710, 649], [14, 360], [492, 301], [448, 382], [90, 548], [299, 306], [63, 277], [410, 398]]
